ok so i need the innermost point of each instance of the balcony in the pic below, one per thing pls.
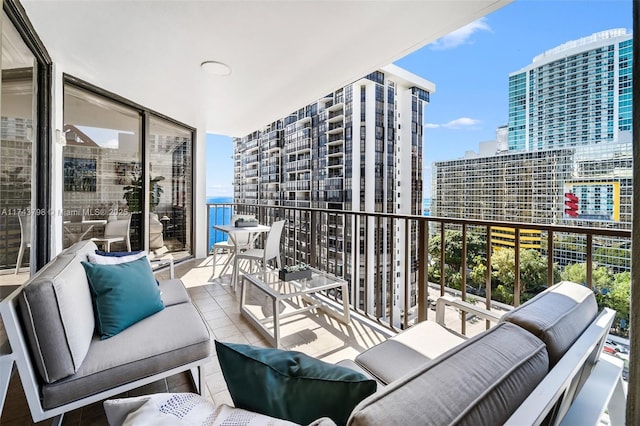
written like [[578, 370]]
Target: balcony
[[319, 335]]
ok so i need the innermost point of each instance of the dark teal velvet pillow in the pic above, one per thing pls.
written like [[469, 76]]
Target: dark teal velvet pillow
[[290, 385], [123, 294]]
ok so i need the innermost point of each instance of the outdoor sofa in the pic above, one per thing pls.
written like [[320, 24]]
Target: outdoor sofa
[[541, 364], [62, 361]]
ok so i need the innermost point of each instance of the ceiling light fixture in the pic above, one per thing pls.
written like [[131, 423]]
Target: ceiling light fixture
[[216, 68]]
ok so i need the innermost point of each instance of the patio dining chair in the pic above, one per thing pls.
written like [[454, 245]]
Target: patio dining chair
[[116, 230], [244, 243], [270, 251]]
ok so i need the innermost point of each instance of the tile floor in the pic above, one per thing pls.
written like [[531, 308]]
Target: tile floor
[[316, 335]]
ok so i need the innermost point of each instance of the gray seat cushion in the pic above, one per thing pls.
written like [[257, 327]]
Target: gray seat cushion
[[480, 382], [173, 292], [352, 365], [558, 316], [57, 313], [408, 350], [173, 337]]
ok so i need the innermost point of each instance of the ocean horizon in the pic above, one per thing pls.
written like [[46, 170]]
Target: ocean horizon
[[218, 216]]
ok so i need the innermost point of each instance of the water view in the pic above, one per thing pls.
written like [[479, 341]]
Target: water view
[[218, 216]]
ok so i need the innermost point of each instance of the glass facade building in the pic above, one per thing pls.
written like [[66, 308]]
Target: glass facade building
[[569, 156], [578, 93]]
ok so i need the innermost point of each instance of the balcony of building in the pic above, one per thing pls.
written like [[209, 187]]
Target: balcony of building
[[209, 293], [311, 236]]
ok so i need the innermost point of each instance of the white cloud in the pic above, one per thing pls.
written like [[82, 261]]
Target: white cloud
[[458, 123], [461, 36]]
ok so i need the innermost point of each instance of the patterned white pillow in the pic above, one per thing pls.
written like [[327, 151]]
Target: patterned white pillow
[[226, 416], [114, 260], [176, 409]]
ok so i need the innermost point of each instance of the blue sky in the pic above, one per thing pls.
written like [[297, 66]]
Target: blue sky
[[470, 68]]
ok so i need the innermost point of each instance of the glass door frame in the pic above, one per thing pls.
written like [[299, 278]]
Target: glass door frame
[[145, 114], [41, 181]]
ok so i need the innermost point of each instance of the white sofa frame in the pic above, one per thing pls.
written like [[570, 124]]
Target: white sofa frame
[[578, 388], [19, 353]]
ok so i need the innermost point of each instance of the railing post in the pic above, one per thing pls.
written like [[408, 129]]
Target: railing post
[[314, 239], [589, 260], [487, 295], [463, 274], [516, 285], [442, 259], [407, 273], [423, 250], [550, 258]]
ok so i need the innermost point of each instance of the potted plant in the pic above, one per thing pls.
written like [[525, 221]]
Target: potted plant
[[133, 192], [133, 196], [296, 272], [245, 223]]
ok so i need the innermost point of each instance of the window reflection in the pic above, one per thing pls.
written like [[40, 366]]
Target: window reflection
[[170, 188], [102, 172], [17, 137]]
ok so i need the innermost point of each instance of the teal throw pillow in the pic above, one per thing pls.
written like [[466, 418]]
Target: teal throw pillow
[[123, 294], [290, 385]]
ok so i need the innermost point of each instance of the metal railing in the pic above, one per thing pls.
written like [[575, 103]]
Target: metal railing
[[385, 257]]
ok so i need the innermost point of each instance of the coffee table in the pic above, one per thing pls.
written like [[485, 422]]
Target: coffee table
[[279, 299]]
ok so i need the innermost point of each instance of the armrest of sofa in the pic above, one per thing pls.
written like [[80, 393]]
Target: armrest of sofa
[[445, 301]]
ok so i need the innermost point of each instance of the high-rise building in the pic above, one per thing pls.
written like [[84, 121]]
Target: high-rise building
[[569, 157], [352, 150], [578, 93]]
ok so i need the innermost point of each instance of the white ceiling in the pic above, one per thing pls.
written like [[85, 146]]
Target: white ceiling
[[283, 54]]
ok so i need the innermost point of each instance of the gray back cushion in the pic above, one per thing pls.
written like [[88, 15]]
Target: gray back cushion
[[558, 316], [57, 313], [481, 381]]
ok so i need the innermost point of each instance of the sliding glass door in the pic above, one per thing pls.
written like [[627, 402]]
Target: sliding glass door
[[170, 187], [125, 168], [17, 152], [102, 171]]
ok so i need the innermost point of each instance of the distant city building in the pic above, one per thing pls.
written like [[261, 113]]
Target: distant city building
[[351, 150], [568, 139], [578, 93]]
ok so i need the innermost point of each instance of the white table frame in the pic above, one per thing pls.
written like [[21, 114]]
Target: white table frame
[[307, 294], [232, 232], [79, 236]]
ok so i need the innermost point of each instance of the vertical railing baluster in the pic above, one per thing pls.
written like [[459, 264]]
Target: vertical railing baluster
[[463, 274], [427, 264], [391, 240], [487, 284], [550, 258], [355, 269], [366, 264], [407, 269], [590, 260], [516, 274], [442, 258], [314, 236], [209, 245], [422, 271], [377, 284]]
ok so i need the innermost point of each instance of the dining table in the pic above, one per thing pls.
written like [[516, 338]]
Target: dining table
[[77, 230], [234, 232]]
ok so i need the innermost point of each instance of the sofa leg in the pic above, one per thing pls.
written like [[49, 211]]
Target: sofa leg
[[57, 420], [197, 377]]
